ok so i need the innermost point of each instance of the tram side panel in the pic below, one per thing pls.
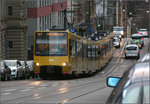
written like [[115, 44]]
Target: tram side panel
[[77, 56]]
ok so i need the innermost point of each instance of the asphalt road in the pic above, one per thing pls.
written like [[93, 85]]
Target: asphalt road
[[82, 90]]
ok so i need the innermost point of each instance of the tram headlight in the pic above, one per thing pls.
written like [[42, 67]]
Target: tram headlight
[[37, 64], [65, 64]]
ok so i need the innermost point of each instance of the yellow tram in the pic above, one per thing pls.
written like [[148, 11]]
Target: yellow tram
[[65, 53]]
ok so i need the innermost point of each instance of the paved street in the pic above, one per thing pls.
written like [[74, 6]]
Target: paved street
[[81, 90]]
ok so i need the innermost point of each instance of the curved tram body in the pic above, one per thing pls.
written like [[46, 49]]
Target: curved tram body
[[65, 53]]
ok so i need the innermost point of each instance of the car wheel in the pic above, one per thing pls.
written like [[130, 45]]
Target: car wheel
[[138, 56], [28, 77], [6, 77], [9, 76], [23, 76], [17, 77]]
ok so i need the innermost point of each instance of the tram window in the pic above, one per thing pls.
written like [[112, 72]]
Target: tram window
[[82, 51], [72, 47], [89, 50], [85, 51]]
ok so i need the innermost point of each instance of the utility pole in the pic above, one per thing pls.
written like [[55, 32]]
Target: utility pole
[[103, 13], [65, 19], [117, 14], [89, 12], [125, 17]]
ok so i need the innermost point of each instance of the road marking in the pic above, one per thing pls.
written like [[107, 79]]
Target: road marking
[[103, 72], [30, 87], [10, 90], [6, 93], [124, 66], [123, 48], [117, 60], [41, 87], [109, 71], [36, 97], [25, 90], [121, 60], [55, 84], [116, 69]]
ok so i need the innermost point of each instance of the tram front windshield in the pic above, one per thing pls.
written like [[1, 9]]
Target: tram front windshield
[[51, 44]]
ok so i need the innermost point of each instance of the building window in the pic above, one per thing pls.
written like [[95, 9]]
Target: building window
[[10, 44], [10, 10]]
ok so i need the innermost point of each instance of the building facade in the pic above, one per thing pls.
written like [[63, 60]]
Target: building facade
[[85, 14], [2, 28], [16, 31], [44, 15]]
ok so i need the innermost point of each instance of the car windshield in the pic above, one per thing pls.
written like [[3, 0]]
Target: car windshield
[[142, 30], [140, 93], [135, 41], [11, 63], [51, 44], [30, 63], [116, 40], [118, 29], [2, 64], [116, 34], [131, 48], [22, 63], [136, 37]]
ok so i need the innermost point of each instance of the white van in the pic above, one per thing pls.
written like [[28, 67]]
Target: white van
[[118, 29]]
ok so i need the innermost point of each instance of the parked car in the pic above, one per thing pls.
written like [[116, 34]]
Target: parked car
[[133, 87], [137, 39], [26, 69], [30, 64], [4, 71], [116, 42], [132, 50], [144, 32], [16, 69]]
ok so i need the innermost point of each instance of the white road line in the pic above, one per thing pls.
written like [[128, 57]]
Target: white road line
[[123, 48], [25, 90], [36, 98], [10, 90], [55, 84], [118, 60], [30, 87], [41, 87], [103, 72], [121, 60], [124, 66], [109, 70], [116, 69], [6, 93]]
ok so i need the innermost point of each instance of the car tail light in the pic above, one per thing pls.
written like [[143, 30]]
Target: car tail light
[[146, 32], [66, 72], [139, 33]]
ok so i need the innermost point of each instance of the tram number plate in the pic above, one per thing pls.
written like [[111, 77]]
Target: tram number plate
[[50, 71]]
